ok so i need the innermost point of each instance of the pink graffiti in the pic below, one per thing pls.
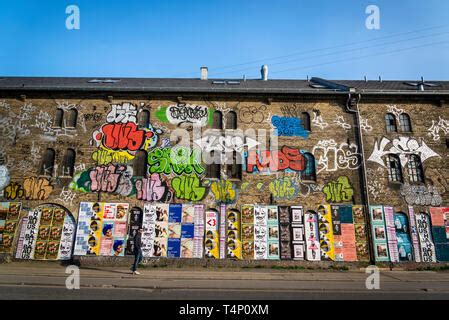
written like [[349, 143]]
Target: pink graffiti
[[106, 178], [152, 189]]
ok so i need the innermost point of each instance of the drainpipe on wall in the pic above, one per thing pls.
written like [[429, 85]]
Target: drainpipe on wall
[[364, 181]]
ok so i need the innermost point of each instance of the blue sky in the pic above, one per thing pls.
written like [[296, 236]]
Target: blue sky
[[173, 38]]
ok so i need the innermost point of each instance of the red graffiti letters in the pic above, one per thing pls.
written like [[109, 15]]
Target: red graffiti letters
[[124, 136], [277, 160]]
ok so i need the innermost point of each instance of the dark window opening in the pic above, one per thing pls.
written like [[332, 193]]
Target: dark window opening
[[415, 170], [390, 122], [140, 164], [72, 118], [68, 165], [305, 118], [394, 168], [59, 117], [231, 120], [48, 163], [309, 173], [234, 170], [144, 119], [217, 122], [213, 169]]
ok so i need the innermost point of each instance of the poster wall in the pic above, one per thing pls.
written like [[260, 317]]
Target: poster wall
[[9, 220], [361, 238], [313, 251], [423, 228], [404, 243], [440, 232], [344, 233], [211, 240], [414, 234], [391, 234], [326, 233], [285, 233], [260, 233], [47, 234], [298, 242], [102, 229], [233, 242], [379, 233], [135, 222], [247, 232], [273, 233], [222, 227]]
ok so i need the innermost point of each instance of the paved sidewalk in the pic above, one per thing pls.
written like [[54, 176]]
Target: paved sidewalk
[[213, 283]]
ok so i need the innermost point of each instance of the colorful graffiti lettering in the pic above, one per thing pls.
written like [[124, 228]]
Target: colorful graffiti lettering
[[180, 160], [224, 191], [152, 189], [272, 161], [339, 191], [283, 188], [122, 113], [32, 189], [188, 188], [124, 136], [332, 157], [289, 127]]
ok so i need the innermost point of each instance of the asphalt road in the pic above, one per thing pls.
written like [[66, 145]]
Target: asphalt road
[[46, 281]]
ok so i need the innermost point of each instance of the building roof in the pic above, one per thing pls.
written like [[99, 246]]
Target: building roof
[[252, 86]]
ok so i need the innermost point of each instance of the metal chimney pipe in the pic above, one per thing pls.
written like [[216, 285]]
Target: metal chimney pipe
[[204, 71], [264, 72]]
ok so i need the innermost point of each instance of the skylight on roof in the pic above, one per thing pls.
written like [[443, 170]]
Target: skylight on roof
[[104, 81]]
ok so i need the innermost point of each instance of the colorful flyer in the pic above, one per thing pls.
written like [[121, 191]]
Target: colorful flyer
[[326, 233], [361, 238], [313, 251], [379, 233], [425, 239], [211, 239], [233, 242]]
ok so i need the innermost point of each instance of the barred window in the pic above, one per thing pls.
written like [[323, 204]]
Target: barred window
[[309, 173], [48, 163], [234, 170], [68, 165], [415, 170], [217, 122], [305, 118], [213, 169], [404, 123], [394, 168], [144, 119], [231, 120], [59, 117], [72, 118], [390, 122], [140, 164]]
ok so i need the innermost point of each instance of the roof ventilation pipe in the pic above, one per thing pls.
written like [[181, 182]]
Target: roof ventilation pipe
[[204, 71], [264, 72]]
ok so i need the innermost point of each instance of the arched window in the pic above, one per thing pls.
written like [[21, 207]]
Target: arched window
[[48, 163], [405, 248], [404, 123], [234, 170], [231, 120], [214, 168], [217, 122], [140, 164], [68, 165], [144, 119], [390, 122], [305, 119], [59, 117], [72, 118], [309, 173], [394, 168], [415, 170]]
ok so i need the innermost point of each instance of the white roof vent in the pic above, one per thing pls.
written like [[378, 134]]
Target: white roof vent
[[264, 72]]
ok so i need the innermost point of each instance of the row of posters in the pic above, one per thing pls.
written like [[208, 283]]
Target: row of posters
[[344, 233], [9, 219], [47, 233], [172, 230], [102, 229], [440, 232]]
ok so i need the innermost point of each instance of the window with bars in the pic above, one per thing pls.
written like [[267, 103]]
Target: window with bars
[[68, 165], [140, 164], [59, 117], [143, 119], [305, 118], [231, 120], [404, 123], [48, 163], [394, 168], [415, 170], [72, 118], [309, 173], [390, 122], [234, 170], [217, 120], [213, 169]]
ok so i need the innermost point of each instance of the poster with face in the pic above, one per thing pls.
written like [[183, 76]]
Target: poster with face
[[211, 238], [326, 233], [313, 251], [9, 220], [379, 233], [361, 238], [233, 241], [404, 243]]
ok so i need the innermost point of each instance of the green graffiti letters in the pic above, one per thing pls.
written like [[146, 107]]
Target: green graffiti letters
[[188, 188], [180, 160], [339, 191]]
